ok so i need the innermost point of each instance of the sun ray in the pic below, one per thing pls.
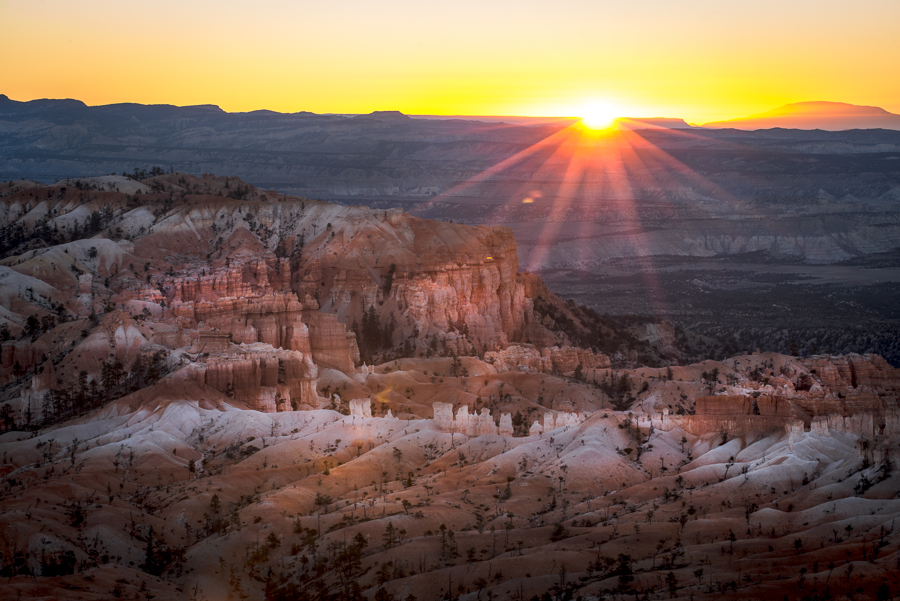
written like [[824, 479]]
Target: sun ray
[[507, 163], [613, 169], [565, 193]]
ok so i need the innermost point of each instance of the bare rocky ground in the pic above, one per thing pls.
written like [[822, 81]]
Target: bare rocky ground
[[189, 372], [300, 504], [743, 303]]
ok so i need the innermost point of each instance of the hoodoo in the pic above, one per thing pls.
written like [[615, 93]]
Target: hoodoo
[[211, 394]]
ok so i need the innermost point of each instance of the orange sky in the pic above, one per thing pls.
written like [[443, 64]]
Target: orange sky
[[700, 60]]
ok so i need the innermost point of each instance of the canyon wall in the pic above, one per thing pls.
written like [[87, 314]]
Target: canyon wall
[[855, 394]]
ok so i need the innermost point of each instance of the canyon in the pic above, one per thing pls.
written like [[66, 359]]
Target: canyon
[[672, 223], [211, 390]]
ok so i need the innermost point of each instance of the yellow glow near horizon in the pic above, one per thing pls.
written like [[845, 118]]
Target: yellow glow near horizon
[[700, 60], [599, 115]]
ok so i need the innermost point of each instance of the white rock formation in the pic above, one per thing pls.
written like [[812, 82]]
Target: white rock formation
[[506, 425], [476, 424], [461, 424], [549, 422], [443, 416], [482, 423], [361, 407], [562, 420]]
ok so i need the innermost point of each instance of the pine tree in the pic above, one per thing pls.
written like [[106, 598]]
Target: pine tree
[[390, 533]]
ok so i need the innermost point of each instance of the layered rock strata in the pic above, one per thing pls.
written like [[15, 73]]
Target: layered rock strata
[[262, 377], [565, 360], [855, 394]]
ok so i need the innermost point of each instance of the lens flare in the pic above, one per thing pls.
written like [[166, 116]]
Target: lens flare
[[532, 196]]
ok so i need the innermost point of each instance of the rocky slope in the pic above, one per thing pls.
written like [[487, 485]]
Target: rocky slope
[[178, 491], [188, 412], [257, 291]]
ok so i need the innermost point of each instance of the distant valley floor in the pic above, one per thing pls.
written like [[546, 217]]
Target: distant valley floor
[[740, 301], [748, 305]]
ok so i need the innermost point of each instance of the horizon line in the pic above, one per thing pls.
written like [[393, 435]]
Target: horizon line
[[447, 116]]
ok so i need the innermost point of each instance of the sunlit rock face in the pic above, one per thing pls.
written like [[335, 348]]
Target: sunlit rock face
[[852, 371], [421, 276], [855, 394], [764, 406]]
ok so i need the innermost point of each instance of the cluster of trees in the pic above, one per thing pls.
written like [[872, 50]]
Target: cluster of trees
[[618, 389], [16, 560], [608, 334], [34, 327], [710, 380], [82, 395], [281, 249], [139, 174], [389, 280], [16, 238], [457, 369], [329, 576], [158, 556], [239, 192], [371, 336], [520, 425], [7, 418]]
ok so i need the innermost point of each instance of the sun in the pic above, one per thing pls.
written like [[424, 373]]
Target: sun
[[598, 115]]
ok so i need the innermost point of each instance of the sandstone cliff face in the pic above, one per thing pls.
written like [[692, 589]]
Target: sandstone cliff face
[[565, 360], [764, 406], [853, 394], [238, 279], [455, 282], [458, 284], [331, 344], [852, 371], [264, 378], [302, 336], [261, 314]]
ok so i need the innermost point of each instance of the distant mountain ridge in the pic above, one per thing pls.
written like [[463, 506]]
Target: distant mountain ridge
[[818, 114], [807, 115], [633, 123]]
